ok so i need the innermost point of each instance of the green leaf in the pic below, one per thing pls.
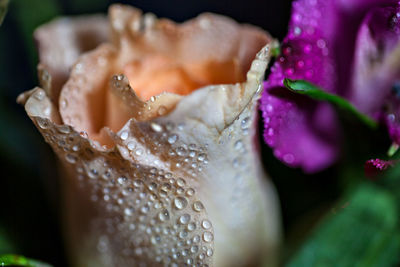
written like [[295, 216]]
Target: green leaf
[[314, 92], [16, 260], [363, 231], [3, 10]]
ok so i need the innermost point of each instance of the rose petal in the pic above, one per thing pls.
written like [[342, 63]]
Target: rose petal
[[73, 37], [85, 101]]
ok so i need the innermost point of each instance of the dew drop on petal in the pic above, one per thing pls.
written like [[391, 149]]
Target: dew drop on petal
[[191, 226], [172, 138], [184, 219], [206, 224], [180, 203], [163, 215], [156, 127], [198, 206], [124, 135], [208, 236]]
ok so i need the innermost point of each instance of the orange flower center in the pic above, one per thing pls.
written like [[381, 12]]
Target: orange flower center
[[154, 75]]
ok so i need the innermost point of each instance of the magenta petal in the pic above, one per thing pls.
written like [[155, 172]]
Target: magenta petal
[[319, 48], [377, 59], [301, 132], [374, 167], [376, 77]]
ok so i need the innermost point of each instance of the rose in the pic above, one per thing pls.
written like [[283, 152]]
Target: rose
[[157, 179], [350, 48]]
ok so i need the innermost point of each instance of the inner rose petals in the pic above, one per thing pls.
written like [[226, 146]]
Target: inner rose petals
[[154, 75], [157, 57]]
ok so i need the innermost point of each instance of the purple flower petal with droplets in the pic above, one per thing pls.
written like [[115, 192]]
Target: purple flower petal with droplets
[[376, 60], [319, 48], [374, 167], [376, 80]]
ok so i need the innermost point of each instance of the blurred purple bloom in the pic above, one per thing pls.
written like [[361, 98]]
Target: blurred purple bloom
[[348, 47], [374, 167]]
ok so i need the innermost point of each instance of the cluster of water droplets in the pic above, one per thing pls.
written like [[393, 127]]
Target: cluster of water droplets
[[147, 213], [158, 144]]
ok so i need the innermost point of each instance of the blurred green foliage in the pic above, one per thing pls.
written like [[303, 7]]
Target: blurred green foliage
[[17, 260], [3, 9], [362, 231]]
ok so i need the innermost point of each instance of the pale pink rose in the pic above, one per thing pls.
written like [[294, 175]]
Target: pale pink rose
[[155, 133]]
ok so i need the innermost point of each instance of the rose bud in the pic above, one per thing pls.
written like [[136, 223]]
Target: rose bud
[[155, 130]]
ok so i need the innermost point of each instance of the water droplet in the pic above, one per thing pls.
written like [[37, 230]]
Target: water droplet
[[180, 203], [198, 206], [163, 215], [180, 182], [208, 236], [190, 192], [297, 30], [152, 186], [42, 123], [64, 129], [121, 180], [70, 158], [180, 190], [196, 239], [191, 226], [180, 151], [210, 252], [156, 127], [183, 234], [145, 209], [307, 48], [172, 138], [391, 117], [184, 219], [194, 249], [39, 95], [300, 64], [131, 145], [93, 173], [161, 110], [155, 239], [64, 104], [128, 211], [137, 183], [288, 158], [321, 43], [124, 135], [139, 152], [201, 157], [238, 145], [206, 224]]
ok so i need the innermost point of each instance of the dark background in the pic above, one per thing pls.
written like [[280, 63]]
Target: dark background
[[29, 222]]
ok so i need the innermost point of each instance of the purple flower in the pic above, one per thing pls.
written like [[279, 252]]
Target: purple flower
[[374, 167], [348, 47]]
